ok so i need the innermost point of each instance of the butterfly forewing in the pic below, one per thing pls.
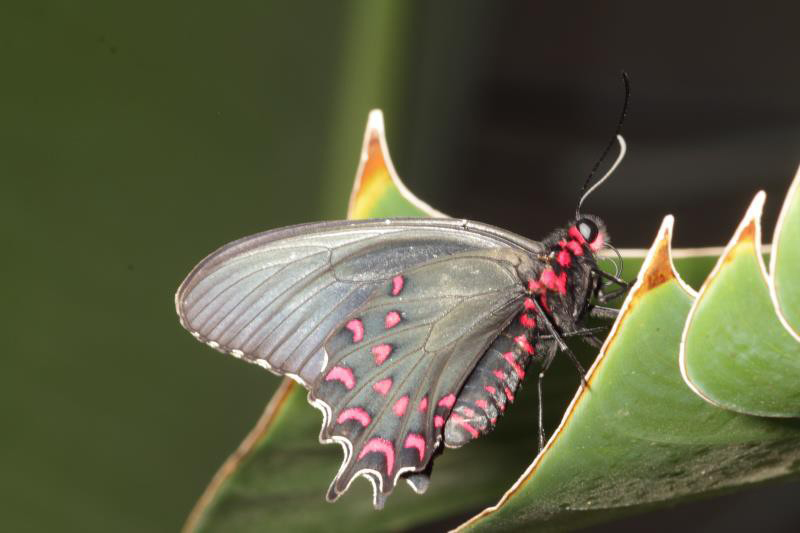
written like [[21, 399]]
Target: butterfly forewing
[[273, 298], [397, 364]]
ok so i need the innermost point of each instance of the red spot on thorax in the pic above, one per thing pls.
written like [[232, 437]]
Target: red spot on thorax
[[354, 413], [527, 321], [397, 285], [543, 301], [455, 417], [573, 246], [379, 445], [564, 258], [438, 421], [357, 327], [511, 360], [523, 343], [575, 234], [447, 401], [553, 281], [529, 304], [415, 440], [482, 404], [423, 404], [383, 386], [342, 374], [509, 394], [535, 286], [400, 406], [392, 319], [381, 352]]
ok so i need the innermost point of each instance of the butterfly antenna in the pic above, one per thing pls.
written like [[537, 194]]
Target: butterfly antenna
[[586, 190]]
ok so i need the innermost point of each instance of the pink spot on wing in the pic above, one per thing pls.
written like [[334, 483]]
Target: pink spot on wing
[[414, 440], [464, 424], [468, 412], [392, 319], [489, 389], [357, 327], [564, 258], [397, 285], [509, 357], [423, 404], [529, 304], [509, 394], [523, 343], [379, 445], [482, 404], [438, 421], [354, 413], [499, 374], [447, 401], [534, 286], [381, 352], [383, 386], [527, 321], [400, 406], [343, 374], [493, 420], [575, 234]]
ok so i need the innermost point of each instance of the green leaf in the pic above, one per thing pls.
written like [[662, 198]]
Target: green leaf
[[638, 438], [786, 257], [737, 354]]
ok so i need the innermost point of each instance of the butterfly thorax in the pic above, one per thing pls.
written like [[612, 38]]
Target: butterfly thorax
[[559, 283]]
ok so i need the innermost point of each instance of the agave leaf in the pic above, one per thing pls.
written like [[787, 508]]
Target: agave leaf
[[737, 353], [786, 257], [639, 437]]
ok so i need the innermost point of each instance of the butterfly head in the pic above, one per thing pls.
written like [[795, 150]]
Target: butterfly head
[[589, 230]]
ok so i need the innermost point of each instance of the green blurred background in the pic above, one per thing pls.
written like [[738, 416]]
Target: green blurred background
[[135, 138]]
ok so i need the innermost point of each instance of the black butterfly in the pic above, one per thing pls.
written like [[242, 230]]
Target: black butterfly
[[408, 333]]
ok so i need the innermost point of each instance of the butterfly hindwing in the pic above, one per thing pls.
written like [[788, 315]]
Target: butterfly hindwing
[[396, 365]]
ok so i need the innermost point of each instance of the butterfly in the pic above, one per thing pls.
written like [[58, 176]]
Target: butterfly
[[410, 334]]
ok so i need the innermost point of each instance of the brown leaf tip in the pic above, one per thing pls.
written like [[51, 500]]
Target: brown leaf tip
[[659, 270]]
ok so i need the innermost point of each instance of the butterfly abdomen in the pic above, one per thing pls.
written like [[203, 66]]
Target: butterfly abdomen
[[493, 383]]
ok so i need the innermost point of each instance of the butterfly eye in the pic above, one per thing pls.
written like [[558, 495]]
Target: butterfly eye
[[588, 229]]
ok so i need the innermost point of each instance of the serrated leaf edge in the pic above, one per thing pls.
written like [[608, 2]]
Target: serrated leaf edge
[[657, 268], [750, 223]]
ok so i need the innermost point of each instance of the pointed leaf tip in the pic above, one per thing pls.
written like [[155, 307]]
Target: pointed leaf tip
[[736, 352], [378, 190]]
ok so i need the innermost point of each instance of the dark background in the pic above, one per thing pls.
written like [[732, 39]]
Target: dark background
[[135, 138]]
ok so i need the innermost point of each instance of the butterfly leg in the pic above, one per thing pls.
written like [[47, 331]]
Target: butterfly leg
[[598, 311], [560, 341], [587, 332], [622, 286], [545, 365]]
